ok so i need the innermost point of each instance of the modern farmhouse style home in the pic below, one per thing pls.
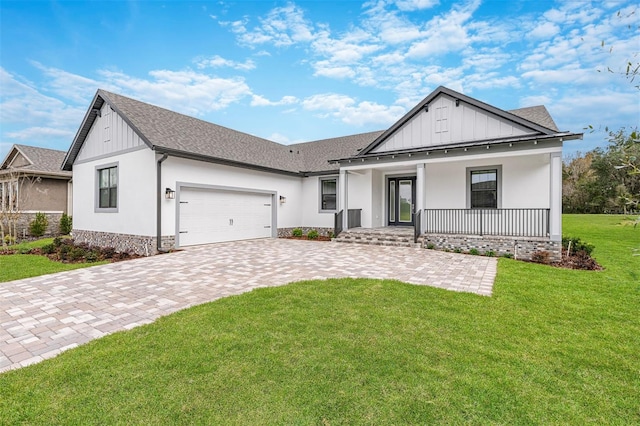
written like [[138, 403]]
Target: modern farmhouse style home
[[454, 172]]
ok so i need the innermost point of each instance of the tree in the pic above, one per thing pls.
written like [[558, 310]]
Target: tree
[[15, 188]]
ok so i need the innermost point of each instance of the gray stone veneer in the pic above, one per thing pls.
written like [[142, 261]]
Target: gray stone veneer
[[286, 232], [53, 228], [137, 244], [519, 247]]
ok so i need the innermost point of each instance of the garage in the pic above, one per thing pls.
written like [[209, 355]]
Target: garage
[[215, 215]]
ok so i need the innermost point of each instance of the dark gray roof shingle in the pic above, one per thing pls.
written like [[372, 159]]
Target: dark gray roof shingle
[[316, 154], [163, 128], [536, 114], [177, 134], [41, 160]]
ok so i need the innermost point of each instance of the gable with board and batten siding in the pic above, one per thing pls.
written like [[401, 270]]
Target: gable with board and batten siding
[[447, 121]]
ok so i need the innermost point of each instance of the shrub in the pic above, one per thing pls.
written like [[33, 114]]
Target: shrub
[[490, 253], [330, 234], [457, 250], [57, 241], [66, 224], [38, 226], [76, 253], [9, 240], [48, 249], [63, 251], [474, 251], [577, 245], [540, 257], [92, 256], [312, 235], [108, 252], [297, 232], [431, 246], [508, 256]]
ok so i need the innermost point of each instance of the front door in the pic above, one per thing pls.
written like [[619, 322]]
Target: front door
[[401, 195]]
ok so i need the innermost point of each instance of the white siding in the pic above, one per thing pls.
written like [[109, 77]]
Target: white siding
[[300, 208], [309, 205], [136, 195], [446, 123], [109, 134], [525, 182]]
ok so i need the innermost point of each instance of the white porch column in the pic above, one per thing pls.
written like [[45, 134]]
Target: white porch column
[[343, 185], [420, 183], [555, 195]]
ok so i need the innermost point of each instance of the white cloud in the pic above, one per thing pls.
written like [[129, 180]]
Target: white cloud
[[217, 61], [410, 5], [257, 100], [445, 33], [184, 91], [283, 26], [347, 110], [23, 104], [544, 30], [40, 133], [535, 100], [68, 85]]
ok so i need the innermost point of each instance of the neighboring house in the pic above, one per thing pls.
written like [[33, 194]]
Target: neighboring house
[[460, 172], [31, 181]]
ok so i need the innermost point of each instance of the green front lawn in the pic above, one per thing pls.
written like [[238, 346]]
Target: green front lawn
[[551, 346], [19, 266]]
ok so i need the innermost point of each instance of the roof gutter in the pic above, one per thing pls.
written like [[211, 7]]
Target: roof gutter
[[159, 204]]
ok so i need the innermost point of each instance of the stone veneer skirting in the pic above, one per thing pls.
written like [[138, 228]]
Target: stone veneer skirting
[[519, 247], [137, 244], [24, 219], [286, 232]]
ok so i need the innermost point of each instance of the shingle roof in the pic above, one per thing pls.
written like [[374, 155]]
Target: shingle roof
[[536, 114], [163, 128], [177, 134], [316, 154], [41, 160]]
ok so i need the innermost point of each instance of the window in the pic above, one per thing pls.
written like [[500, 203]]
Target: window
[[9, 196], [108, 188], [484, 189], [328, 194]]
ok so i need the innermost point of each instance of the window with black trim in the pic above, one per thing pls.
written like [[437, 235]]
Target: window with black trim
[[108, 188], [484, 189], [328, 194]]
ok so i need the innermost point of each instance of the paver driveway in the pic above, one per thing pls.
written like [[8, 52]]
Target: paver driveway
[[43, 316]]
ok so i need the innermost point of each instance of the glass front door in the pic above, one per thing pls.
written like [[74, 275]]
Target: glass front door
[[401, 194]]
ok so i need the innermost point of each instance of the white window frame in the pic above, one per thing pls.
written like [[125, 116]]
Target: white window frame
[[98, 169], [320, 187]]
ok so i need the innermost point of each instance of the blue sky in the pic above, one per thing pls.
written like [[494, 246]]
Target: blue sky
[[306, 70]]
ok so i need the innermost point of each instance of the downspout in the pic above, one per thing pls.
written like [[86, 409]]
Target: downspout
[[159, 205]]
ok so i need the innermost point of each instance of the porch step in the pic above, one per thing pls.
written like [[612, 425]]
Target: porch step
[[402, 237]]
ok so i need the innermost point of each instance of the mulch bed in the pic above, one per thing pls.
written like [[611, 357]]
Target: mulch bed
[[304, 237]]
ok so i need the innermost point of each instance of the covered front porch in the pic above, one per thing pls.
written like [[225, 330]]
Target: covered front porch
[[507, 203]]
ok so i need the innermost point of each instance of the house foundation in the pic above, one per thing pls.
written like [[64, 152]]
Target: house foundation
[[518, 247], [136, 244]]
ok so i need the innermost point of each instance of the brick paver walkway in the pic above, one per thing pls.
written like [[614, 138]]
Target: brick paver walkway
[[43, 316]]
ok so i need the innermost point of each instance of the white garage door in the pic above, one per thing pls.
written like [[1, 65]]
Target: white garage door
[[211, 216]]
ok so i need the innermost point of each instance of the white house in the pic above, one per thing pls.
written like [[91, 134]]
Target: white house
[[456, 171]]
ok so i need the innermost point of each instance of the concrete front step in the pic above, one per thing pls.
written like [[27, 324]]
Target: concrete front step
[[377, 238]]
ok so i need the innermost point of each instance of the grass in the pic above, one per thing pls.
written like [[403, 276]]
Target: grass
[[19, 266], [551, 346]]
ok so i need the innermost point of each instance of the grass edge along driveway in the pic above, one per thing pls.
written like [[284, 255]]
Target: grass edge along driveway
[[19, 266], [550, 346]]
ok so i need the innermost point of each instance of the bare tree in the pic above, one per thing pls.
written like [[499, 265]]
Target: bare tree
[[15, 189]]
